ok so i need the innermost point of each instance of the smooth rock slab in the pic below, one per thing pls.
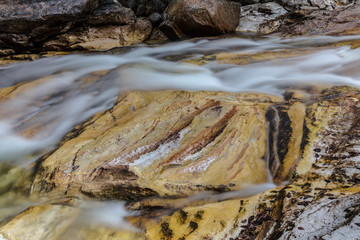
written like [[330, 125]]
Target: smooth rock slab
[[170, 143]]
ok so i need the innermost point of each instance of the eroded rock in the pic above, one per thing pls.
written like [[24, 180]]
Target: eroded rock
[[198, 141], [168, 143]]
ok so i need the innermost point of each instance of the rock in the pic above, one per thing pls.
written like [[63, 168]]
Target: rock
[[63, 220], [325, 183], [316, 4], [43, 18], [110, 12], [261, 18], [249, 2], [313, 144], [201, 18], [8, 41], [155, 18], [168, 143], [101, 38], [15, 185], [336, 22], [145, 7]]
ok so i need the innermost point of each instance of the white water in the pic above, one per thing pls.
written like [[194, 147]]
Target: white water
[[63, 99], [145, 69]]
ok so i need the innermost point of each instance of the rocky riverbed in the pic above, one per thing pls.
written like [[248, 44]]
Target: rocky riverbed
[[239, 130], [92, 25]]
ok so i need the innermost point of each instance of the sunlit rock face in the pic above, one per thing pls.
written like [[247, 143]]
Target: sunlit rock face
[[170, 143], [321, 199], [175, 143]]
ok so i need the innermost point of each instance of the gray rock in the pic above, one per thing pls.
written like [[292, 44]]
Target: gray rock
[[111, 12], [42, 18], [315, 4], [155, 18], [336, 22], [145, 7], [261, 18]]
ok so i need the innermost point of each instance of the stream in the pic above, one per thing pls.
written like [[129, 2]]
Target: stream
[[52, 95]]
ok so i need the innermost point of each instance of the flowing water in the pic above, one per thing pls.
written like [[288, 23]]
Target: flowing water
[[52, 95]]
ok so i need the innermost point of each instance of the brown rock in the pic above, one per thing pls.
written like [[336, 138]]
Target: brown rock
[[202, 18]]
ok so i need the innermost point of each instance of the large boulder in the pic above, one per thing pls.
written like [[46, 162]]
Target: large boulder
[[200, 18], [42, 18]]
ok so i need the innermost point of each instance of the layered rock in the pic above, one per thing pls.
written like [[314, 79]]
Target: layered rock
[[168, 144], [174, 143]]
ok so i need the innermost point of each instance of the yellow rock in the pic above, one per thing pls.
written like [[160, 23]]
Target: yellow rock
[[163, 143]]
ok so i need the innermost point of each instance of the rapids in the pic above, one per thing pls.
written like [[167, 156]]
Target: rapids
[[61, 92]]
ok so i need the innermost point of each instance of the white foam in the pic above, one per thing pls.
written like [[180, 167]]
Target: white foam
[[143, 69]]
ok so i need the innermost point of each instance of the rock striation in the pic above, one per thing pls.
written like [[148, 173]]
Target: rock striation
[[177, 145], [170, 144]]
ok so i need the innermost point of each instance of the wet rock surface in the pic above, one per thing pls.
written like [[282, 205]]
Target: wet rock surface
[[184, 141], [311, 144]]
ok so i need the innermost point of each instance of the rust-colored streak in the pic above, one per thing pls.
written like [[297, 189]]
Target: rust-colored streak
[[172, 135], [205, 137], [239, 158]]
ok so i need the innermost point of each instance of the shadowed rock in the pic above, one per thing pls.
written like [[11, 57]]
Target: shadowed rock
[[41, 19], [201, 18]]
